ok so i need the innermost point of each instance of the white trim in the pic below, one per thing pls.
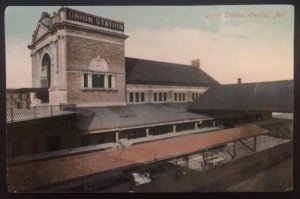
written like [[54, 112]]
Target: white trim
[[113, 81], [96, 72], [106, 81], [167, 89], [90, 81], [94, 26], [100, 104]]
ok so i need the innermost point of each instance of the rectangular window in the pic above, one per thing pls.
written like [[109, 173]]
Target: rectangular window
[[160, 96], [137, 97], [85, 80], [183, 96], [179, 97], [97, 81], [109, 81], [165, 96], [155, 97], [131, 97], [175, 96], [142, 97]]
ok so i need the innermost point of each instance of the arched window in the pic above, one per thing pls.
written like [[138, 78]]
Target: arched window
[[46, 68]]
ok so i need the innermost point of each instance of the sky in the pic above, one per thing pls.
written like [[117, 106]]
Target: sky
[[252, 42]]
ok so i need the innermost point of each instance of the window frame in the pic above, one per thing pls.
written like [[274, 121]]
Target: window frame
[[109, 79], [137, 97], [101, 84], [131, 97], [85, 80], [160, 96], [142, 96], [164, 96]]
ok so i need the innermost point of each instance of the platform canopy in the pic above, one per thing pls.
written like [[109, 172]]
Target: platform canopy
[[44, 173], [114, 118]]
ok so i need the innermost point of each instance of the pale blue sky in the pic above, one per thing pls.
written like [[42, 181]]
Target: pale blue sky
[[229, 47]]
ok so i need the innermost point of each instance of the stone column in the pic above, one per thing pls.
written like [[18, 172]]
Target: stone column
[[63, 60], [147, 132], [34, 69], [90, 80], [106, 81], [117, 137], [174, 128], [54, 72], [113, 81], [196, 125]]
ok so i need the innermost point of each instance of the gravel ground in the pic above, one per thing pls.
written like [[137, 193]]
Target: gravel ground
[[282, 174]]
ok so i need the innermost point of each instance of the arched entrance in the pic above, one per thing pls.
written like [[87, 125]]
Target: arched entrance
[[46, 68]]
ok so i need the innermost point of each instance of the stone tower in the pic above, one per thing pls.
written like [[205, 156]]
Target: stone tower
[[79, 57]]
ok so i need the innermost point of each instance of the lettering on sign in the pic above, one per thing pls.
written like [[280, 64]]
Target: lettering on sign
[[97, 21]]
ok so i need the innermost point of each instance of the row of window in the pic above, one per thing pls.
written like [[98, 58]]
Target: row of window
[[136, 97], [98, 81], [160, 97], [179, 97], [195, 95]]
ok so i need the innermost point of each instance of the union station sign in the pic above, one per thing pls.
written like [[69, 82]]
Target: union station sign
[[93, 20]]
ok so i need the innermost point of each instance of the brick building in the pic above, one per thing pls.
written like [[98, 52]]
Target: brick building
[[80, 58]]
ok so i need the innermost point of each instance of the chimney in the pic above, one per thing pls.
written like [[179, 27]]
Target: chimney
[[239, 80], [195, 62]]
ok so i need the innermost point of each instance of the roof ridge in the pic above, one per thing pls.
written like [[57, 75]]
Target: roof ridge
[[160, 61], [247, 83]]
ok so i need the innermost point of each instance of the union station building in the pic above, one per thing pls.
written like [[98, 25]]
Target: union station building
[[78, 58], [94, 117]]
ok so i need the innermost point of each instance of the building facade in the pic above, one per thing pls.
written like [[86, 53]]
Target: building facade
[[81, 59]]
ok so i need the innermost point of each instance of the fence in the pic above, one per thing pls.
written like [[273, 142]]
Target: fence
[[14, 114]]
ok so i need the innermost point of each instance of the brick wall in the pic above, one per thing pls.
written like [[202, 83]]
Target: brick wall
[[78, 96], [81, 49]]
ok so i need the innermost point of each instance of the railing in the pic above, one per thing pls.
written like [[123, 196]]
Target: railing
[[14, 114]]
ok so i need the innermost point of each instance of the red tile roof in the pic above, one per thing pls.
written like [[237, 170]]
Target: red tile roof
[[45, 173]]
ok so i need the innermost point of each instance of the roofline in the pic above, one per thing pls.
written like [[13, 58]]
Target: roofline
[[56, 26], [177, 64], [161, 62], [145, 82], [249, 109], [82, 12], [147, 125], [247, 83]]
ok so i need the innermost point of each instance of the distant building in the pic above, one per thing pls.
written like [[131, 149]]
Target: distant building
[[26, 97]]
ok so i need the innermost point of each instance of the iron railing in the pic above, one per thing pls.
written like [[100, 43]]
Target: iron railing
[[14, 114]]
